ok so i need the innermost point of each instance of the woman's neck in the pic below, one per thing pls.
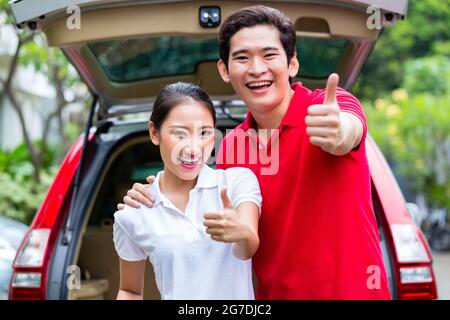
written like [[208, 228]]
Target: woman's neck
[[176, 189]]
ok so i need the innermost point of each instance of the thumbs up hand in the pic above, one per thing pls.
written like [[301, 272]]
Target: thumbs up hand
[[334, 131], [225, 200], [226, 225], [323, 123]]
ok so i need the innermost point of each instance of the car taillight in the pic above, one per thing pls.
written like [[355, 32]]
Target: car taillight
[[408, 244], [32, 253], [415, 278], [417, 283], [27, 280]]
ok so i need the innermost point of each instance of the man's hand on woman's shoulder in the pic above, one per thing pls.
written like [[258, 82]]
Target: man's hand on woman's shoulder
[[138, 195]]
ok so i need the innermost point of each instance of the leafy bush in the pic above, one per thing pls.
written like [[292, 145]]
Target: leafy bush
[[20, 197], [424, 32], [411, 126], [428, 75], [17, 162]]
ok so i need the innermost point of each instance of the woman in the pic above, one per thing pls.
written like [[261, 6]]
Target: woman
[[203, 229]]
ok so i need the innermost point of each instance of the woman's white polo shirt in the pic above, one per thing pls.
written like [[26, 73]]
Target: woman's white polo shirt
[[188, 264]]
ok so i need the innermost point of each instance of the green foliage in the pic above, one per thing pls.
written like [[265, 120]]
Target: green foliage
[[20, 196], [424, 32], [5, 17], [72, 131], [37, 54], [431, 74], [34, 54], [412, 127], [17, 162]]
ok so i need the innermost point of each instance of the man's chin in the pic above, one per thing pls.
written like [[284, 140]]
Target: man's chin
[[262, 104]]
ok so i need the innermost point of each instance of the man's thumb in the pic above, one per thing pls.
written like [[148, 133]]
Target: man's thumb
[[225, 200], [330, 91]]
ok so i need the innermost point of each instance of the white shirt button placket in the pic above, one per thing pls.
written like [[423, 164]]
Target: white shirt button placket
[[191, 214]]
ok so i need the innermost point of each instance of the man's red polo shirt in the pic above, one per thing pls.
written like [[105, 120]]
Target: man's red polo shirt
[[318, 233]]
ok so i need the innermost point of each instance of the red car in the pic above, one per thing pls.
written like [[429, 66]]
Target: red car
[[125, 51]]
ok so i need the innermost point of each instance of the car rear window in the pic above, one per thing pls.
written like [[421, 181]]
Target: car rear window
[[164, 56], [143, 171]]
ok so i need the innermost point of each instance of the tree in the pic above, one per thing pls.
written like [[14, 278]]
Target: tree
[[31, 50], [424, 32], [411, 127]]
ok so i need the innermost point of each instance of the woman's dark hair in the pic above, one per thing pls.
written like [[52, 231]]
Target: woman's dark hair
[[175, 94], [253, 16]]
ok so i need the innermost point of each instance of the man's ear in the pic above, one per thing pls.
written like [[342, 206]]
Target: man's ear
[[294, 65], [154, 134], [223, 70]]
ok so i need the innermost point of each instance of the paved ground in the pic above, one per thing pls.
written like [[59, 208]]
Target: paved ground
[[441, 266]]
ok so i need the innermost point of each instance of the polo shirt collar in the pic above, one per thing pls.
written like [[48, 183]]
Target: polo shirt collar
[[249, 122], [154, 189], [207, 178], [293, 117]]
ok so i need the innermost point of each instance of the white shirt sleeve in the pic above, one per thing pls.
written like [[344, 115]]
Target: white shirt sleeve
[[243, 186], [125, 245]]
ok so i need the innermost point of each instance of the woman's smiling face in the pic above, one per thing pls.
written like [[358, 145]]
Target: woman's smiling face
[[185, 138]]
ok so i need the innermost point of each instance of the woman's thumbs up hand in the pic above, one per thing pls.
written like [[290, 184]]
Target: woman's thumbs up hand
[[226, 225]]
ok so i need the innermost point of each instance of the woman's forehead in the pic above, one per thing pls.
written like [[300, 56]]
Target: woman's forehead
[[190, 113]]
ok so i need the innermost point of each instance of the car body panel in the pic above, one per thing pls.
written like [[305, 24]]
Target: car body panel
[[28, 10]]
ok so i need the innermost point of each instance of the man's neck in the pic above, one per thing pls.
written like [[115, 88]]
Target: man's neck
[[271, 119]]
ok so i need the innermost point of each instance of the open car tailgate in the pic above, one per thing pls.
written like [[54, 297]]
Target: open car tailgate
[[125, 51]]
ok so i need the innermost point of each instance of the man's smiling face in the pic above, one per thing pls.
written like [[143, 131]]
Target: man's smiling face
[[258, 69]]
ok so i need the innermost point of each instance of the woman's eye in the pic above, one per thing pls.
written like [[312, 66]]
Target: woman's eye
[[179, 134], [206, 133]]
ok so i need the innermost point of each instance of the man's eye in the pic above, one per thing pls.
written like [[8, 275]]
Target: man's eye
[[241, 58], [271, 55]]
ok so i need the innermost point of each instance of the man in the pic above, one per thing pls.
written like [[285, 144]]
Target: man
[[318, 234]]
